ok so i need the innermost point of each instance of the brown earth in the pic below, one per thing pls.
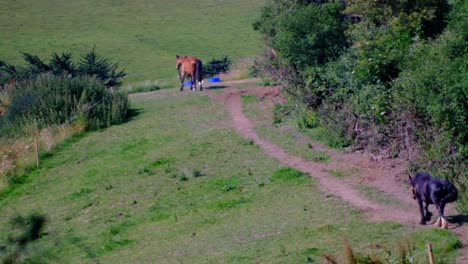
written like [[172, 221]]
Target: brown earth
[[386, 175]]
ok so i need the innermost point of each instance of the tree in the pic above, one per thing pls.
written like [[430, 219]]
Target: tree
[[90, 64]]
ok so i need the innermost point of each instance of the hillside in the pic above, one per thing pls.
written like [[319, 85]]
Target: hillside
[[177, 183], [242, 172], [144, 36]]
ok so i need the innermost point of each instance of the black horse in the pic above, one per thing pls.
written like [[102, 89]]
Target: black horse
[[432, 191]]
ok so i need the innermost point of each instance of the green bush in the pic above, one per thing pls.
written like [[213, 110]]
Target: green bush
[[90, 64], [433, 87], [216, 66], [53, 100], [308, 120], [310, 36], [389, 77]]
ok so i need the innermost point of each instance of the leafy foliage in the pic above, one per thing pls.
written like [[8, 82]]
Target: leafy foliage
[[52, 100], [43, 94], [389, 76], [90, 64], [102, 68], [216, 66], [311, 35]]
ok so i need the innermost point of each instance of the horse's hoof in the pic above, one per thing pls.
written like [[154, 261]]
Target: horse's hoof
[[444, 223], [422, 222], [437, 223]]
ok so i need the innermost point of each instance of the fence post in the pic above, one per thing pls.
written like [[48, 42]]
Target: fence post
[[36, 147], [429, 251]]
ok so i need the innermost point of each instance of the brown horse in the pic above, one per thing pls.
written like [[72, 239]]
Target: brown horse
[[190, 66]]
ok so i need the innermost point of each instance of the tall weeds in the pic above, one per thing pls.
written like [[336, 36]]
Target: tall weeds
[[53, 100], [51, 108]]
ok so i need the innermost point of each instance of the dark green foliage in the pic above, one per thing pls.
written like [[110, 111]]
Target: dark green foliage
[[308, 120], [52, 100], [289, 175], [311, 35], [63, 65], [90, 64], [387, 76], [434, 88], [101, 68], [43, 94], [216, 66], [304, 36], [35, 64]]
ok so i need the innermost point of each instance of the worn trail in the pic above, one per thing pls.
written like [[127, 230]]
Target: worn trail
[[404, 212]]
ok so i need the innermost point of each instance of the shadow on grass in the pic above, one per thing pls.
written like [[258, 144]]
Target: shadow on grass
[[132, 113], [214, 87], [459, 220]]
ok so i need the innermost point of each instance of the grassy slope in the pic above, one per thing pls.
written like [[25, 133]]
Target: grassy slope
[[119, 196], [143, 35]]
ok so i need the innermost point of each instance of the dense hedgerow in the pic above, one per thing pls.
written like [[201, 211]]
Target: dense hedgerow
[[390, 77], [216, 66], [53, 100], [43, 94]]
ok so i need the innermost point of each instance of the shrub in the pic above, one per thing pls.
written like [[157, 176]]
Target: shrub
[[216, 66], [308, 120], [388, 77], [90, 64], [311, 35], [52, 100]]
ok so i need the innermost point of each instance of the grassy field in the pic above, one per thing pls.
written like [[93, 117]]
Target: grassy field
[[176, 184], [143, 35]]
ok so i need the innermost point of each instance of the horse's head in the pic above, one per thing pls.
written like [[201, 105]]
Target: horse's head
[[179, 61]]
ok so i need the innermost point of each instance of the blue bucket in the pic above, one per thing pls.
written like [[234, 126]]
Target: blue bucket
[[187, 83], [214, 80]]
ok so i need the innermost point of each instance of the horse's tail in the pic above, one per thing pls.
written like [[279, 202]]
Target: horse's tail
[[199, 73]]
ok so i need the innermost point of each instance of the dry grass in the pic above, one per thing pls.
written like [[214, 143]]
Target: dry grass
[[349, 253], [17, 154], [5, 99], [239, 70]]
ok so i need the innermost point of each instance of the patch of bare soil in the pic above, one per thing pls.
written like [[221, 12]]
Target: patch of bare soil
[[389, 176]]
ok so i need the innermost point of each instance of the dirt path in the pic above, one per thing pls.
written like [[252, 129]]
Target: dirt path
[[386, 175]]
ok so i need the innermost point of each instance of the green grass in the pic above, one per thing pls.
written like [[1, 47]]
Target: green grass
[[375, 194], [249, 99], [144, 35], [344, 173], [125, 203], [337, 173], [285, 137]]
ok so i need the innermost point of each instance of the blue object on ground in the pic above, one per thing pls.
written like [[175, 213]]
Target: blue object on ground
[[187, 83], [214, 79]]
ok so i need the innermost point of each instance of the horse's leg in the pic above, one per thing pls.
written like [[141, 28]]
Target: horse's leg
[[440, 219], [192, 82], [421, 210], [442, 215], [182, 82], [428, 214], [180, 75]]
